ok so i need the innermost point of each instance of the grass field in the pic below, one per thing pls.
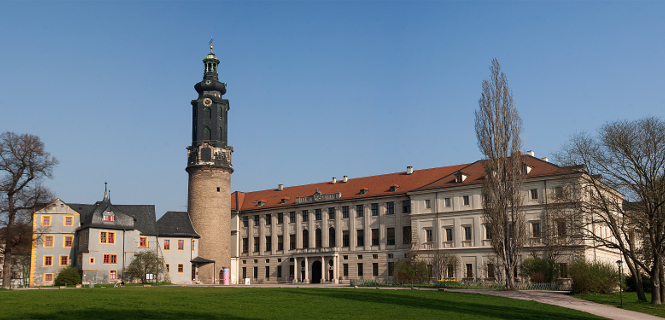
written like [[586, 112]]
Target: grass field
[[630, 302], [268, 303]]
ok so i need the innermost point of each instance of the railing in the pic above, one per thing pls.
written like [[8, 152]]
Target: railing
[[317, 250]]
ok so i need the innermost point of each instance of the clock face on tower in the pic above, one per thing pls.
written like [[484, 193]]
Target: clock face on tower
[[207, 102], [208, 81]]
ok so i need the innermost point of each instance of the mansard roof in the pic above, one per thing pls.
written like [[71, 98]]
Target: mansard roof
[[126, 217], [175, 224], [373, 186]]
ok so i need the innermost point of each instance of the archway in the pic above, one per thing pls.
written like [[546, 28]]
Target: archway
[[316, 272]]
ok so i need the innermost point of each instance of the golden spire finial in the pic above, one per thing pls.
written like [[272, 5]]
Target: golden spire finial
[[210, 44]]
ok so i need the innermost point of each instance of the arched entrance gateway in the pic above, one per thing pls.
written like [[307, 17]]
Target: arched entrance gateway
[[316, 272]]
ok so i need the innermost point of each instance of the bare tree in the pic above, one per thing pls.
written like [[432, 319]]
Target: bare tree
[[444, 263], [629, 157], [498, 128], [24, 163]]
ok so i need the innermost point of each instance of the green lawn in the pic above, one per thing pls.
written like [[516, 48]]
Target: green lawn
[[268, 303], [630, 302]]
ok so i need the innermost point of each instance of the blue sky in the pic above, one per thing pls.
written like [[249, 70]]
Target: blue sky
[[316, 89]]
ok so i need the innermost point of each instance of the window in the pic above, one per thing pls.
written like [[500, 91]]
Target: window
[[375, 269], [447, 203], [490, 271], [167, 244], [465, 200], [451, 271], [292, 241], [375, 237], [390, 235], [279, 271], [467, 233], [46, 220], [360, 238], [64, 260], [360, 257], [245, 221], [48, 241], [111, 237], [406, 206], [103, 237], [68, 241], [292, 217], [561, 228], [345, 238], [268, 243], [244, 245], [317, 238], [48, 261], [449, 234], [360, 269], [110, 259], [331, 213], [345, 212], [535, 229], [305, 239], [391, 268], [488, 233], [181, 268], [181, 245], [85, 238], [317, 214], [108, 216], [280, 218], [428, 204], [256, 244], [305, 216], [390, 208], [267, 272], [92, 260], [375, 256], [563, 270], [113, 275], [406, 235], [143, 242], [244, 272], [268, 219], [558, 192], [69, 221], [331, 237], [168, 268], [48, 277], [360, 210], [292, 270], [256, 272], [511, 230], [80, 239], [469, 270], [346, 269], [256, 221], [534, 194], [375, 209], [429, 236], [280, 243]]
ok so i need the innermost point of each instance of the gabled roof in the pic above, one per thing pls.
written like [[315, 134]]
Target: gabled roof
[[126, 217], [376, 186], [176, 223], [476, 173]]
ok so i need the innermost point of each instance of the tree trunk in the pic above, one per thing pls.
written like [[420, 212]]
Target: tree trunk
[[662, 287], [639, 285], [656, 282], [7, 269]]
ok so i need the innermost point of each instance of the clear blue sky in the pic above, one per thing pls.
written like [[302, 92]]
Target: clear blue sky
[[316, 89]]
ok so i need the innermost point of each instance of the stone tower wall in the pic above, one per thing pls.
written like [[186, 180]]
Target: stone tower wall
[[209, 207]]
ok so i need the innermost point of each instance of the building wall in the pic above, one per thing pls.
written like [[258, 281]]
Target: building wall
[[174, 258]]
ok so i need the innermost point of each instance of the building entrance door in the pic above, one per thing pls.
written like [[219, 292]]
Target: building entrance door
[[316, 272]]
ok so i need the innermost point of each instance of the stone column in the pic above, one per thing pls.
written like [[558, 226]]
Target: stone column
[[323, 269], [296, 270], [306, 280], [335, 276]]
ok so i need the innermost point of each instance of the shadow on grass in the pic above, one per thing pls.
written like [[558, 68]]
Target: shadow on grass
[[125, 314], [453, 303]]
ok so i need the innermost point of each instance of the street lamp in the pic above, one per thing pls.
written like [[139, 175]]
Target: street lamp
[[620, 264]]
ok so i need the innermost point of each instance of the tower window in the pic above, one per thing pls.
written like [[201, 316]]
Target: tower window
[[217, 189]]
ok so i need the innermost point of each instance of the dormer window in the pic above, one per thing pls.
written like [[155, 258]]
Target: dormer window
[[108, 216], [284, 200], [394, 188], [526, 168], [460, 177], [364, 191], [261, 203]]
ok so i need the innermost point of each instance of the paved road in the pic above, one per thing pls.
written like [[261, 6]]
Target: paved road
[[559, 298]]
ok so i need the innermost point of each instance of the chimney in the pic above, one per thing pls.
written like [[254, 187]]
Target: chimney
[[531, 153], [346, 178], [334, 180], [409, 170], [546, 160], [280, 187]]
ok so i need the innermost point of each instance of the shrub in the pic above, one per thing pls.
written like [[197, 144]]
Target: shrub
[[412, 271], [69, 275], [632, 285], [539, 270], [145, 262], [593, 277]]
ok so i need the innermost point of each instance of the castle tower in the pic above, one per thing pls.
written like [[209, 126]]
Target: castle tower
[[209, 168]]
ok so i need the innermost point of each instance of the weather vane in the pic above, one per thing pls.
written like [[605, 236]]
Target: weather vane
[[210, 43]]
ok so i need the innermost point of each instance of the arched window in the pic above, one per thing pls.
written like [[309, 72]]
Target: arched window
[[317, 235], [220, 134], [305, 239], [206, 133], [331, 237], [206, 113]]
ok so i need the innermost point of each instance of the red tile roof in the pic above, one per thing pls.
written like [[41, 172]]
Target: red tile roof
[[424, 179]]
